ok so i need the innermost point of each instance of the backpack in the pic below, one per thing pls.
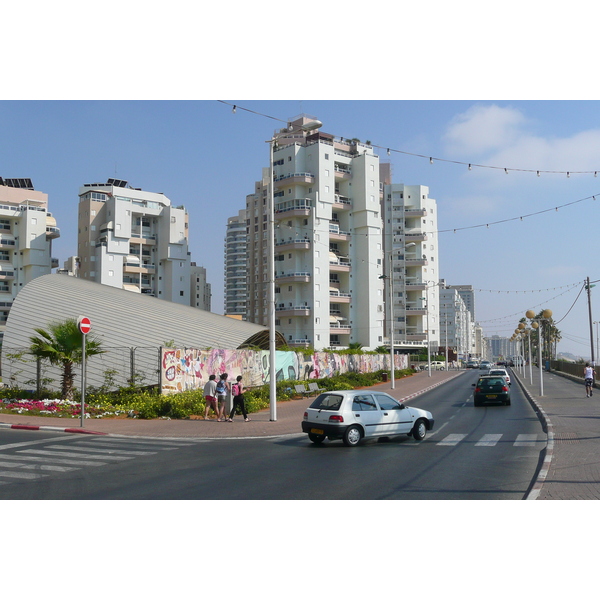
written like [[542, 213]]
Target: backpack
[[221, 389], [235, 389]]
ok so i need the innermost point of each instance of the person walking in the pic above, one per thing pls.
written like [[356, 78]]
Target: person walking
[[210, 397], [588, 375], [222, 391], [237, 389]]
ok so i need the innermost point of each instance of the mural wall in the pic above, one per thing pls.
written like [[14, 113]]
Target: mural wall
[[189, 368]]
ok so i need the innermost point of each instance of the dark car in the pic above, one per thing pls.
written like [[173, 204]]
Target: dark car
[[491, 389]]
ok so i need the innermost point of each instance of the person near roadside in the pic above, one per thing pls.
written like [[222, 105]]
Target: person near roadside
[[210, 397], [237, 389], [588, 375], [222, 391]]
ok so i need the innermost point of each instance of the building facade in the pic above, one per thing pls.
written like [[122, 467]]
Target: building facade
[[26, 233], [328, 241], [135, 240], [200, 289], [411, 264], [235, 266]]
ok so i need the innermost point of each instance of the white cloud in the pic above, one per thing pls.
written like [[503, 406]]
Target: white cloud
[[484, 128]]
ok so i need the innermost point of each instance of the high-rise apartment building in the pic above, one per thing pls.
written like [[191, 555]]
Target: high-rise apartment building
[[455, 322], [26, 233], [235, 266], [411, 264], [135, 240], [200, 289], [328, 241]]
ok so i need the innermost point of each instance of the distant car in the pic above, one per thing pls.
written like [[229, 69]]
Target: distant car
[[471, 364], [490, 388], [351, 415], [438, 365], [501, 373], [485, 364]]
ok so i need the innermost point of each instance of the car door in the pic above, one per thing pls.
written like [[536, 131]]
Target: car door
[[366, 412], [395, 419]]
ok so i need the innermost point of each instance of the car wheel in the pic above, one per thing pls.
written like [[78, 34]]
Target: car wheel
[[419, 430], [315, 438], [352, 436]]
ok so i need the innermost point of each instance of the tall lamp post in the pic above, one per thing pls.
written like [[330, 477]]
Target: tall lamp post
[[546, 314], [311, 125], [391, 322]]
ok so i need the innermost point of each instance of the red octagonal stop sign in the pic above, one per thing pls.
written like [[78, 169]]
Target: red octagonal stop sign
[[84, 324]]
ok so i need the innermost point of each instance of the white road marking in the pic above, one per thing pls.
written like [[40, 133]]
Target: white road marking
[[489, 439]]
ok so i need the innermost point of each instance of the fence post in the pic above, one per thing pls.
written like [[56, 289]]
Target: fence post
[[132, 367]]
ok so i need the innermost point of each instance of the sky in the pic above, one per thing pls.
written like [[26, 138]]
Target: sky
[[201, 154], [508, 85]]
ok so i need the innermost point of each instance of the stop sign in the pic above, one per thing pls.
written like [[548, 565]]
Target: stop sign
[[84, 324]]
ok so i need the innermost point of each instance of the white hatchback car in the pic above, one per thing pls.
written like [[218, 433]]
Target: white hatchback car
[[352, 415], [501, 372]]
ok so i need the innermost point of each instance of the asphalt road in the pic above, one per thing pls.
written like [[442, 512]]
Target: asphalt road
[[487, 452]]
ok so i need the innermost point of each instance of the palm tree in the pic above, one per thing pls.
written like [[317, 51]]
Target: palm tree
[[61, 345]]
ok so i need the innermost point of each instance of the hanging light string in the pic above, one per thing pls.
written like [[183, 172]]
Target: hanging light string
[[433, 159]]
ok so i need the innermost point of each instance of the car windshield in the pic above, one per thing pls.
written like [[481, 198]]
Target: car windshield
[[327, 402], [490, 382]]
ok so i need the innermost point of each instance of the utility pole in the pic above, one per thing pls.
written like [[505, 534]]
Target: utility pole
[[589, 295]]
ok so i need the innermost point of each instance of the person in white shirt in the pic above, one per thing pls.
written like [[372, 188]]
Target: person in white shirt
[[588, 375]]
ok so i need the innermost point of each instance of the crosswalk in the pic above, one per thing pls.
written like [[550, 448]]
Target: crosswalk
[[30, 461], [492, 439]]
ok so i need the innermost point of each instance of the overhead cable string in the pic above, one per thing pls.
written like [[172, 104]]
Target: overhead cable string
[[432, 159]]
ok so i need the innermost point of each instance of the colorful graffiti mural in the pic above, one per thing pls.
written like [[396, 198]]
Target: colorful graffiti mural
[[189, 368]]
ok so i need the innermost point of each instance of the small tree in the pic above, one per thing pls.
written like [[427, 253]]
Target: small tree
[[61, 345]]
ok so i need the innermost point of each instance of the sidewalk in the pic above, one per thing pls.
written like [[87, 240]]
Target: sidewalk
[[288, 417], [571, 468]]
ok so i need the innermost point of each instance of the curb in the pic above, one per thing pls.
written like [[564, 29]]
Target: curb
[[535, 490], [50, 428]]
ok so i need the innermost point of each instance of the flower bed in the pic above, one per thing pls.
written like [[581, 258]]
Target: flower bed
[[56, 408]]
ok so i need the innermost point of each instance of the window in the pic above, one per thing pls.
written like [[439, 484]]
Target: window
[[386, 403], [363, 403]]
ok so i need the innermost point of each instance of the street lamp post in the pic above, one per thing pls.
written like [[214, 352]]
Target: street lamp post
[[311, 125], [546, 314], [391, 322]]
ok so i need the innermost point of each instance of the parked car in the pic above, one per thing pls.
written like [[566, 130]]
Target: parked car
[[351, 415], [439, 365], [490, 388], [501, 373]]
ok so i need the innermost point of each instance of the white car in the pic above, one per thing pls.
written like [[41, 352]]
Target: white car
[[501, 372], [438, 365], [352, 415]]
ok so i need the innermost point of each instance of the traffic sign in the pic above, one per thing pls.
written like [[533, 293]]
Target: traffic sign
[[84, 324]]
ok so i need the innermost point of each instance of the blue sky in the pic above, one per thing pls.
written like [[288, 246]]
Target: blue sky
[[205, 157]]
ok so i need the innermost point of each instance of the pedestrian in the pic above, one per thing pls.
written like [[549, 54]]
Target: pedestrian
[[237, 389], [222, 391], [588, 375], [210, 397]]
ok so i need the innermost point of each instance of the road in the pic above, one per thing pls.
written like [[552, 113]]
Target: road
[[489, 452]]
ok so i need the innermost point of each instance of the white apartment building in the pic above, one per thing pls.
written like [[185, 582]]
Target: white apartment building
[[200, 289], [26, 233], [134, 240], [455, 322], [328, 241], [411, 264], [235, 266], [466, 292]]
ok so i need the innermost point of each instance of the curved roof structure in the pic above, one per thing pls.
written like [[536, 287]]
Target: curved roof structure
[[120, 319]]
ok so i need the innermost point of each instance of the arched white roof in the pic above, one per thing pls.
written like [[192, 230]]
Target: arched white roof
[[120, 319]]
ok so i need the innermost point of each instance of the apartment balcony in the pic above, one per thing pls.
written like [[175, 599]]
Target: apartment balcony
[[339, 329], [292, 311], [416, 337], [299, 244], [414, 311], [342, 174], [416, 262], [137, 267], [6, 274], [415, 212], [292, 178], [301, 343], [142, 237], [54, 263], [335, 234], [340, 297], [415, 286], [293, 277], [339, 264], [415, 236], [52, 233], [342, 202], [298, 207]]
